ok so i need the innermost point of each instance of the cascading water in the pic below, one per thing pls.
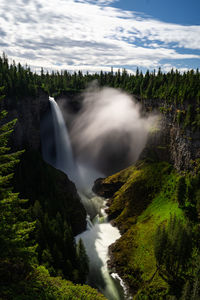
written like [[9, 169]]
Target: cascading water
[[63, 151], [100, 233], [97, 239]]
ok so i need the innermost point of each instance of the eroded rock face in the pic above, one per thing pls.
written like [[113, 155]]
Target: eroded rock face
[[184, 148], [29, 112], [174, 143], [106, 190]]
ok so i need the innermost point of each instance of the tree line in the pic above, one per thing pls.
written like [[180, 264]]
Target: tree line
[[182, 90], [174, 87]]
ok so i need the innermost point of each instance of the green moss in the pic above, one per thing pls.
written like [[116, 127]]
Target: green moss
[[146, 199], [164, 204], [121, 176], [141, 184]]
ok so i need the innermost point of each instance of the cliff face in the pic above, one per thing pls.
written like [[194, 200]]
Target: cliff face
[[172, 142], [29, 112], [184, 148]]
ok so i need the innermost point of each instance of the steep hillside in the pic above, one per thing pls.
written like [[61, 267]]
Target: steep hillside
[[59, 213], [144, 198], [148, 197], [36, 180]]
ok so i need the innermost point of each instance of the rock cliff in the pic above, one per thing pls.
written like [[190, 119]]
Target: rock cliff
[[29, 112], [172, 141]]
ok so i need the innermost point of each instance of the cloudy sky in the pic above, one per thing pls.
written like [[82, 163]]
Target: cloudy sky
[[94, 35]]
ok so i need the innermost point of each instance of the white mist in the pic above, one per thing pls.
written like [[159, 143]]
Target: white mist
[[109, 132]]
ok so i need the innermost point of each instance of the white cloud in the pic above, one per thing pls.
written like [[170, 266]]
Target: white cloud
[[99, 2], [169, 67], [89, 35]]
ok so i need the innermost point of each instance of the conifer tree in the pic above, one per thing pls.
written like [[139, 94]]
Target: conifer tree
[[186, 292], [16, 251], [180, 192], [173, 249], [83, 261]]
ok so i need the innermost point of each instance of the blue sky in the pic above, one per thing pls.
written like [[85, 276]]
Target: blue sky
[[94, 35], [185, 12]]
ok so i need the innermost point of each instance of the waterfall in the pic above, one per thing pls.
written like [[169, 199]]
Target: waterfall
[[63, 159], [100, 233]]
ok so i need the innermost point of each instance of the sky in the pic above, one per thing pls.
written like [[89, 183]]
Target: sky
[[95, 35]]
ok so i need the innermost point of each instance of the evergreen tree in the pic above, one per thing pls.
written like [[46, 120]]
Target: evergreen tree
[[173, 249], [180, 193], [16, 250], [83, 261], [186, 293]]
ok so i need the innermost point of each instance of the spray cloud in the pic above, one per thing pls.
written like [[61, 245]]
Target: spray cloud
[[109, 132]]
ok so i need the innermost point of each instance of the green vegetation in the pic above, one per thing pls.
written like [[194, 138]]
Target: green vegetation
[[83, 261], [54, 203], [16, 248], [173, 250], [181, 90], [142, 182], [156, 209], [39, 285]]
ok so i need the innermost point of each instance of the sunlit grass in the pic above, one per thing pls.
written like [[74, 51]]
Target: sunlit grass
[[146, 200]]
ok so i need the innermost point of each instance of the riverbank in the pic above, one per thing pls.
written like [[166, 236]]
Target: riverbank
[[145, 200]]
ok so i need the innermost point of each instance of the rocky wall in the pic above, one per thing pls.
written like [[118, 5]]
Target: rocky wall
[[29, 112], [172, 141]]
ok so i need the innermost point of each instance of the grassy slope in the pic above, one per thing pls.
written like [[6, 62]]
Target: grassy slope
[[146, 200]]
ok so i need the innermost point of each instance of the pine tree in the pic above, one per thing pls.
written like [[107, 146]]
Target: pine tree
[[83, 261], [16, 251], [195, 292], [180, 193], [173, 249], [186, 293]]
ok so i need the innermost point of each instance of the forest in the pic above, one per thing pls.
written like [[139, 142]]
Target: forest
[[174, 87], [155, 206], [179, 89]]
